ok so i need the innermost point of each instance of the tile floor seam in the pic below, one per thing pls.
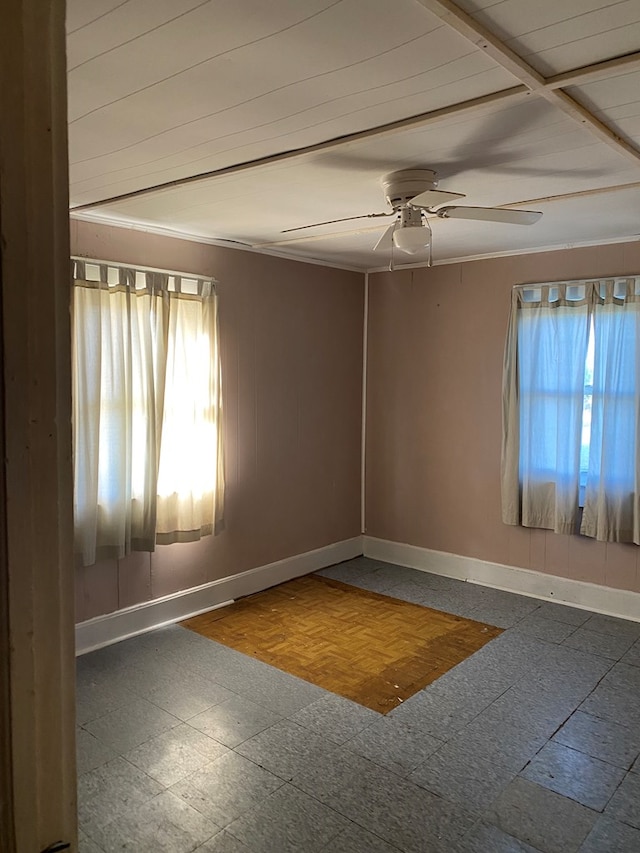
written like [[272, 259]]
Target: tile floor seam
[[364, 826], [561, 725], [594, 808], [600, 758], [609, 822]]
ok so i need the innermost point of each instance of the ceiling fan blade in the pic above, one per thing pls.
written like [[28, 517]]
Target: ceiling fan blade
[[386, 241], [333, 221], [491, 214], [433, 198]]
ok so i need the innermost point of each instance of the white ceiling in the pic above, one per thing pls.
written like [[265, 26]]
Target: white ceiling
[[178, 110]]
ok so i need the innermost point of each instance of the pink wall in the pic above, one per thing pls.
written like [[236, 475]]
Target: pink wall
[[436, 342], [291, 349]]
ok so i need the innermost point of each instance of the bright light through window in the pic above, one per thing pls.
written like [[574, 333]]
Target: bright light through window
[[147, 411], [586, 414]]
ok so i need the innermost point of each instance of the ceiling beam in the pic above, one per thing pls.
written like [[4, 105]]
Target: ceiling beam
[[579, 194], [625, 64], [416, 122], [531, 81], [486, 41], [482, 38], [581, 114]]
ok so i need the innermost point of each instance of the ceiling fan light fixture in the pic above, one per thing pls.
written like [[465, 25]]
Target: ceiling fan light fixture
[[412, 234], [412, 239]]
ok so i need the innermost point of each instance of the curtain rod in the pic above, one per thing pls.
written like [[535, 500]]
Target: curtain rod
[[577, 280], [140, 268]]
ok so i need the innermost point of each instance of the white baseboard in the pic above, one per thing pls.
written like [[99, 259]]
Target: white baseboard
[[131, 621], [587, 596]]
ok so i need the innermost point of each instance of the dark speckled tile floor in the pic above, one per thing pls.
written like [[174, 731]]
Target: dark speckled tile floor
[[530, 744]]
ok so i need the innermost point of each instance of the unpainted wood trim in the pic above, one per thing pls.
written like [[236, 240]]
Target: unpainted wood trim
[[581, 115], [582, 194], [412, 123], [625, 64], [485, 40], [37, 410], [531, 83], [466, 26], [7, 834]]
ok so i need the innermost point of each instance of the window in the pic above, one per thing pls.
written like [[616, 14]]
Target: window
[[147, 410], [570, 408]]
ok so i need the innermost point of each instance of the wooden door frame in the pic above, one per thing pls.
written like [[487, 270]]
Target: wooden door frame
[[37, 719], [7, 835]]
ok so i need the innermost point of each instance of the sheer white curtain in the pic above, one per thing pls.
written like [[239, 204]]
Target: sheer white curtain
[[147, 410], [543, 395], [190, 480], [611, 508]]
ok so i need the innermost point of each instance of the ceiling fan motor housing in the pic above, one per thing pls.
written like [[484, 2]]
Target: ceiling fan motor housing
[[401, 187], [410, 217]]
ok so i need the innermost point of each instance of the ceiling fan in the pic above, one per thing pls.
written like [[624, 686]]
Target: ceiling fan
[[412, 194]]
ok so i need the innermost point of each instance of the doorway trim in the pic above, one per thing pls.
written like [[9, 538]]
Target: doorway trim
[[37, 643]]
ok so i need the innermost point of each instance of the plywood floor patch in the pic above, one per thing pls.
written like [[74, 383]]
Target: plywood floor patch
[[370, 648]]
